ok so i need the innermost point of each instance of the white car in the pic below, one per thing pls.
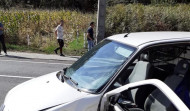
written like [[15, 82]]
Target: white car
[[116, 62]]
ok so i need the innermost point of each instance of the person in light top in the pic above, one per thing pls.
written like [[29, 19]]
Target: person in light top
[[59, 34]]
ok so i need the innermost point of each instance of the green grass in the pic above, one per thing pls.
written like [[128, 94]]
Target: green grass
[[74, 47], [48, 50], [21, 48], [76, 44]]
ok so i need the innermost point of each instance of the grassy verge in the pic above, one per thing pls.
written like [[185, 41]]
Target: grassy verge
[[75, 47], [22, 48], [39, 26]]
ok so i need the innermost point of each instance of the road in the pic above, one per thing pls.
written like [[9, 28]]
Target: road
[[15, 70]]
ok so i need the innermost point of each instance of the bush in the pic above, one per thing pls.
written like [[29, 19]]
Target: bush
[[114, 2], [39, 25], [137, 17]]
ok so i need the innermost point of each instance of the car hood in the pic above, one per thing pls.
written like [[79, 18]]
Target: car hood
[[41, 93]]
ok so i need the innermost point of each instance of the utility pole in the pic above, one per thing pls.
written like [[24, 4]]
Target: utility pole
[[100, 31]]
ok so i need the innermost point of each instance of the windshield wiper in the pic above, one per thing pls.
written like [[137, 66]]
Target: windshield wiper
[[73, 81], [75, 84]]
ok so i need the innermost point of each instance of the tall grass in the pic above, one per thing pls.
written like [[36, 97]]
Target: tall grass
[[138, 17], [39, 25]]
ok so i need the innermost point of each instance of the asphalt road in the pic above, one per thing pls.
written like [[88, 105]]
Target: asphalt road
[[14, 70]]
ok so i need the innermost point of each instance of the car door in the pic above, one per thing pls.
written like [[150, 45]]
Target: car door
[[109, 98]]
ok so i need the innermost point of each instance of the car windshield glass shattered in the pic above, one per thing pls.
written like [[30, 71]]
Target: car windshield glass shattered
[[96, 67]]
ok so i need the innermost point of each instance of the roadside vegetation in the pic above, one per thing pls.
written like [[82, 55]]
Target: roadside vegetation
[[38, 25], [34, 29], [137, 18]]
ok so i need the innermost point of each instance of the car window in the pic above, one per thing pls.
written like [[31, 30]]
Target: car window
[[161, 60], [98, 65], [166, 53]]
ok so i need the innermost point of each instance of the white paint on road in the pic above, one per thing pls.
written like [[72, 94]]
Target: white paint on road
[[34, 62], [22, 77]]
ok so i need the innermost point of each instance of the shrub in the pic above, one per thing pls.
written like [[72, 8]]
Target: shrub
[[137, 17]]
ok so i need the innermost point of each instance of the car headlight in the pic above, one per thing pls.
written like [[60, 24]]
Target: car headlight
[[2, 107]]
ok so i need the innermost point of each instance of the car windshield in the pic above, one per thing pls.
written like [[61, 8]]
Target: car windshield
[[93, 70]]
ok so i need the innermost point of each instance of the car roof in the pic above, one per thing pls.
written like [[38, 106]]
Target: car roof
[[139, 38]]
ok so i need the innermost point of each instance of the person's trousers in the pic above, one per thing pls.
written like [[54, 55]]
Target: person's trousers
[[61, 44], [3, 43], [90, 44]]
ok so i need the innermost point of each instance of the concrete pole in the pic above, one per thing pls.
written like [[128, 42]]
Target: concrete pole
[[100, 31], [84, 40]]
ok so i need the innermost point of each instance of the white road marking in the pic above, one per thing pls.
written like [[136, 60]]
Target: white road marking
[[22, 77], [34, 62]]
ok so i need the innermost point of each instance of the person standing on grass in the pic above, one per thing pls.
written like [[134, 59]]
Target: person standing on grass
[[90, 36], [2, 39], [59, 34]]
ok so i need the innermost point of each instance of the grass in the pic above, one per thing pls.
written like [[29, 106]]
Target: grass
[[75, 47], [39, 25], [77, 43], [21, 48]]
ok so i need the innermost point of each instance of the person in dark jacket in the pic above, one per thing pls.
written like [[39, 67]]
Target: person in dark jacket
[[90, 36], [2, 39]]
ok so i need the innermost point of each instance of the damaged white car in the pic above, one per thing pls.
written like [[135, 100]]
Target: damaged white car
[[114, 63]]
